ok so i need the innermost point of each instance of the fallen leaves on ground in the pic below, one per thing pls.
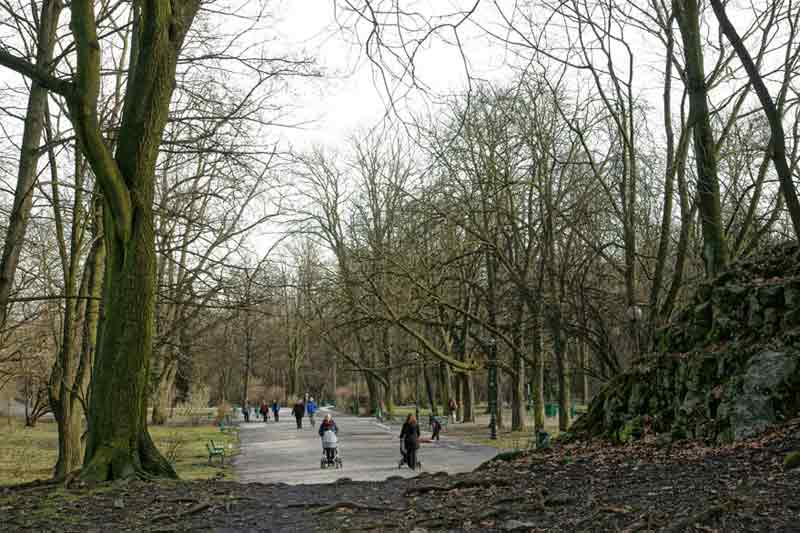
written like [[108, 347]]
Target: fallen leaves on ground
[[579, 487]]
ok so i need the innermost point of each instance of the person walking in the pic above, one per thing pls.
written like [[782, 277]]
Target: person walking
[[276, 409], [299, 411], [264, 410], [436, 427], [453, 407], [409, 434], [311, 408]]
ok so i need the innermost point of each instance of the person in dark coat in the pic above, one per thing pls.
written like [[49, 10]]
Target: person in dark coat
[[299, 411], [409, 434], [276, 409], [436, 428], [264, 410]]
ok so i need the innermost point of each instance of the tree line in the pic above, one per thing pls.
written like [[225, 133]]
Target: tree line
[[558, 217]]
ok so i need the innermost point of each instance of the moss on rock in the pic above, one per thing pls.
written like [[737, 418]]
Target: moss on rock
[[792, 460]]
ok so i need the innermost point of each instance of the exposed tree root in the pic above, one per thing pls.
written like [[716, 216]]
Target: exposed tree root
[[199, 508], [700, 517], [464, 484], [327, 508]]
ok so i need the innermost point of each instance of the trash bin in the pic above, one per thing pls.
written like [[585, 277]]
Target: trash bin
[[542, 439], [551, 409]]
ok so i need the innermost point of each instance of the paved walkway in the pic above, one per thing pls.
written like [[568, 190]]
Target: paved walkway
[[273, 453]]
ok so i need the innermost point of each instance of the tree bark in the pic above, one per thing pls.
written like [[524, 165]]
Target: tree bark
[[164, 384], [29, 155], [715, 254], [119, 445], [518, 394], [468, 397], [429, 390], [777, 148]]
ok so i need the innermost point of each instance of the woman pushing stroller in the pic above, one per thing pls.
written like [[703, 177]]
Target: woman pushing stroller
[[409, 442], [327, 432]]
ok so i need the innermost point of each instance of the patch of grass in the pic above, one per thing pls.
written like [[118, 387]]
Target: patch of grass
[[185, 447], [506, 439], [28, 454]]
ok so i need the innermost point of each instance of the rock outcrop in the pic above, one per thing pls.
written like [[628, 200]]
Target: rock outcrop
[[727, 368]]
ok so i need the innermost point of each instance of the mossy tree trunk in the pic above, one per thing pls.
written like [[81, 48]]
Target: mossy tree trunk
[[119, 445]]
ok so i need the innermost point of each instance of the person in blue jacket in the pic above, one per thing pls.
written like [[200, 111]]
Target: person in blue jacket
[[276, 409], [311, 408]]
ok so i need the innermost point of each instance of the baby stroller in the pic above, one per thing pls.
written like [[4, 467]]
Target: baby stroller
[[404, 456], [330, 451]]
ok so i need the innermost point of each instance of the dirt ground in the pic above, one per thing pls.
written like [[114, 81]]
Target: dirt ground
[[577, 487]]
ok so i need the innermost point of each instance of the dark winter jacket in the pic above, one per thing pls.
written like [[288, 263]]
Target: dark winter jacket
[[299, 410], [325, 426], [275, 407], [410, 435]]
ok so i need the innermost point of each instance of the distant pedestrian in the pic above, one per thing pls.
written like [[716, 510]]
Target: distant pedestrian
[[264, 410], [246, 412], [453, 407], [299, 411], [311, 408], [276, 409], [436, 427], [409, 434]]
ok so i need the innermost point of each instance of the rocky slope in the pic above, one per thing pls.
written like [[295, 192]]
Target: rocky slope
[[725, 370]]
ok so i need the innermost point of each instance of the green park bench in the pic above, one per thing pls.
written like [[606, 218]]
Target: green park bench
[[214, 450]]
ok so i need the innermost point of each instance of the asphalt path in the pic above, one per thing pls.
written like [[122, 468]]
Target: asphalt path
[[279, 453]]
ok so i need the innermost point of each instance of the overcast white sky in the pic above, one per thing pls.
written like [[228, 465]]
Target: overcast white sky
[[352, 97]]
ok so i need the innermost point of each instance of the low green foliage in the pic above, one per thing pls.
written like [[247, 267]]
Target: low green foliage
[[28, 454], [792, 461]]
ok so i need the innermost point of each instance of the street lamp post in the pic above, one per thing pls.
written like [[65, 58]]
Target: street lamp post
[[492, 388]]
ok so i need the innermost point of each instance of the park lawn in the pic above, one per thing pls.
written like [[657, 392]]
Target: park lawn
[[28, 454], [507, 439]]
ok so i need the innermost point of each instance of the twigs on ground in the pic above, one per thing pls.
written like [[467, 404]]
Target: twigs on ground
[[199, 508], [702, 516], [459, 485], [327, 508]]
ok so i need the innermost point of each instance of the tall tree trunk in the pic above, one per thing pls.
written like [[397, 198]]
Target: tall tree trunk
[[445, 387], [715, 253], [564, 383], [467, 397], [777, 148], [499, 409], [388, 387], [373, 390], [164, 384], [537, 372], [518, 394], [429, 389], [583, 355], [29, 154]]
